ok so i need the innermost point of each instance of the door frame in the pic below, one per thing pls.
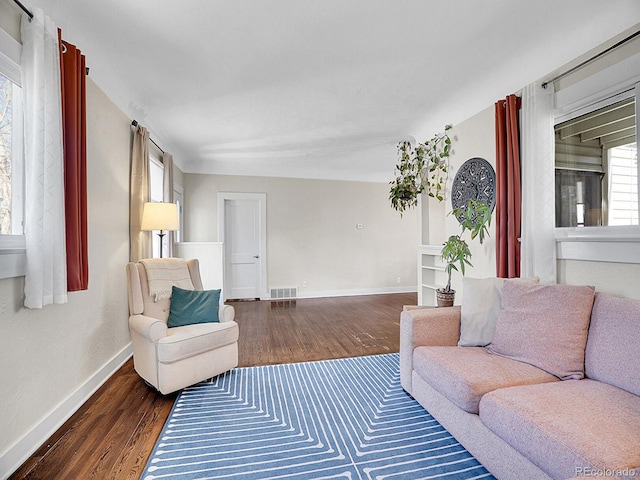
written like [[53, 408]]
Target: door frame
[[261, 198], [178, 190]]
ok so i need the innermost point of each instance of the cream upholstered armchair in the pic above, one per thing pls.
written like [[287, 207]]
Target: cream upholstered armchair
[[173, 358]]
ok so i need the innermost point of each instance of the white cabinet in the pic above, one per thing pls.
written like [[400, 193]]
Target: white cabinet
[[211, 258]]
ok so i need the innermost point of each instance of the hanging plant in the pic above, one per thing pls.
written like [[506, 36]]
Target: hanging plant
[[408, 182], [437, 150], [419, 169]]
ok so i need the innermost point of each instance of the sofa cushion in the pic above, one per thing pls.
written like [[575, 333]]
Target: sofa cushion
[[465, 374], [545, 325], [613, 346], [481, 305], [565, 426], [190, 340]]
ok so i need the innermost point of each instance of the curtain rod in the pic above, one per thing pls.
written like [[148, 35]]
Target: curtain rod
[[134, 123], [24, 9], [28, 12], [589, 60]]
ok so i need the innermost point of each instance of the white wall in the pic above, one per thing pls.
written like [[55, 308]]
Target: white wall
[[53, 358], [621, 279], [312, 235]]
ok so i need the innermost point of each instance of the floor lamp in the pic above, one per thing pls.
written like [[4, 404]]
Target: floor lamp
[[160, 216]]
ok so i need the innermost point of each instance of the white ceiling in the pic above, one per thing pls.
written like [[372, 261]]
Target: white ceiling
[[322, 88]]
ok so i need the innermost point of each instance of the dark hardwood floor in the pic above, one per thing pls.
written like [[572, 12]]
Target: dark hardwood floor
[[112, 435]]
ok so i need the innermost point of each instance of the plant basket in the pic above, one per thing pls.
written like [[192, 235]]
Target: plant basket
[[445, 299]]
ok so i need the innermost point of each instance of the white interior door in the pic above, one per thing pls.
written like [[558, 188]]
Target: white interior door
[[244, 246]]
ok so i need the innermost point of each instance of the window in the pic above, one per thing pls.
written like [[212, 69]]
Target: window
[[623, 185], [12, 242], [156, 173], [596, 177], [11, 179], [156, 180]]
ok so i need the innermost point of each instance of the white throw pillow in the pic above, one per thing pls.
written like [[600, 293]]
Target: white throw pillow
[[481, 305]]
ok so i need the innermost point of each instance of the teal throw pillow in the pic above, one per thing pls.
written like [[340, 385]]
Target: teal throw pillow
[[193, 306]]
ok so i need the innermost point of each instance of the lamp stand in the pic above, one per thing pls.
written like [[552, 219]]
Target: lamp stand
[[161, 235]]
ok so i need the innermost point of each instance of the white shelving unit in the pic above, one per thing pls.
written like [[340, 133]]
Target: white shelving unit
[[431, 275]]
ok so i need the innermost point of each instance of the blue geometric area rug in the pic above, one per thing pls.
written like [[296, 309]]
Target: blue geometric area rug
[[346, 418]]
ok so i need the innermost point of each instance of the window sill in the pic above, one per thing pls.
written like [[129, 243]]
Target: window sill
[[13, 257], [599, 244]]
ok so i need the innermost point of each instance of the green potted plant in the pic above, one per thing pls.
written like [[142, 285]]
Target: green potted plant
[[420, 168], [475, 217], [455, 253]]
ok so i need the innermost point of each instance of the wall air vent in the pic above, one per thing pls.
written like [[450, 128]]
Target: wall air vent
[[284, 293]]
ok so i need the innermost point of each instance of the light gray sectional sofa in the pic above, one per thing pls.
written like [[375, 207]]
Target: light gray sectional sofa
[[556, 394]]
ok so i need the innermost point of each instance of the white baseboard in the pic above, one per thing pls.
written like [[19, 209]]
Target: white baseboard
[[16, 455], [356, 291]]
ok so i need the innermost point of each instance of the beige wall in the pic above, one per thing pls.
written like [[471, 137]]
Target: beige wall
[[49, 355], [472, 138], [312, 235], [10, 19], [178, 176], [475, 137]]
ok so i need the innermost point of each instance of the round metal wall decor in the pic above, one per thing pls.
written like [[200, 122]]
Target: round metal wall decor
[[475, 180]]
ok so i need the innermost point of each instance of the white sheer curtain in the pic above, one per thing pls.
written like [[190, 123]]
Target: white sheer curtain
[[167, 194], [538, 253], [46, 277]]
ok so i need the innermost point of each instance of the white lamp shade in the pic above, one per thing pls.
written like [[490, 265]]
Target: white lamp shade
[[160, 216]]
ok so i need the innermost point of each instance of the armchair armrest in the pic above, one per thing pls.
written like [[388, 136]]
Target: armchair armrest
[[425, 327], [226, 313], [151, 328]]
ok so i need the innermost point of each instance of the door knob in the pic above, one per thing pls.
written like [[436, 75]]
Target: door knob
[[256, 256]]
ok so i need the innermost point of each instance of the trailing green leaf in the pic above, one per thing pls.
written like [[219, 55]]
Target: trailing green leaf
[[420, 168]]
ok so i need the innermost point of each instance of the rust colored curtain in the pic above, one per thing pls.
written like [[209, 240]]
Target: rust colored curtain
[[508, 188], [73, 84]]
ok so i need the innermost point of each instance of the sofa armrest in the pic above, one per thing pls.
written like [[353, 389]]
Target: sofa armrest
[[226, 313], [150, 328], [425, 327]]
